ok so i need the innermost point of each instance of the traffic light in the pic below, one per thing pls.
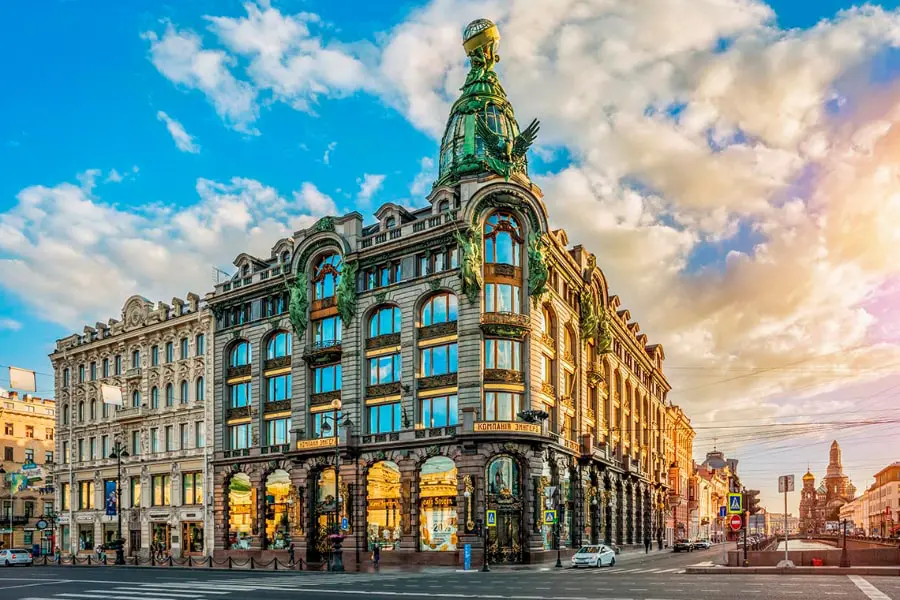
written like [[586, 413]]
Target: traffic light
[[753, 501]]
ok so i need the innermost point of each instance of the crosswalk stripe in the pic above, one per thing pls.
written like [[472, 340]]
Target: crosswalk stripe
[[104, 595], [163, 587], [152, 592]]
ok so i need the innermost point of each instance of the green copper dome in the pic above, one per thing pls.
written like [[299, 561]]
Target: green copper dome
[[482, 133]]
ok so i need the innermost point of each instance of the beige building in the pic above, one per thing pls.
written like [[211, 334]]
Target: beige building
[[157, 356], [883, 500], [27, 439], [776, 523], [682, 501]]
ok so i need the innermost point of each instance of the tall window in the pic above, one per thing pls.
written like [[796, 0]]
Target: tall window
[[118, 364], [384, 321], [134, 487], [170, 394], [93, 410], [438, 360], [199, 435], [135, 399], [384, 369], [326, 276], [86, 495], [154, 397], [503, 354], [323, 423], [154, 356], [184, 348], [199, 390], [80, 373], [502, 406], [384, 418], [81, 412], [502, 240], [192, 488], [440, 411], [170, 352], [278, 431], [161, 486], [279, 388], [136, 359], [200, 345], [239, 436], [326, 379], [184, 392], [65, 414], [279, 345], [441, 308], [135, 443], [240, 355], [502, 297], [65, 494], [104, 446], [327, 332], [105, 367], [239, 394], [154, 439], [93, 371], [66, 377], [65, 451]]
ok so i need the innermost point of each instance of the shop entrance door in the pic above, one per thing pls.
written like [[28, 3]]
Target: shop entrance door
[[192, 538], [134, 539], [505, 540]]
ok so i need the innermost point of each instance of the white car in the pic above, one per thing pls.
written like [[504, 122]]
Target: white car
[[15, 556], [594, 556]]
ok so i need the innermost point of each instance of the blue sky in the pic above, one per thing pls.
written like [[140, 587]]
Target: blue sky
[[87, 92]]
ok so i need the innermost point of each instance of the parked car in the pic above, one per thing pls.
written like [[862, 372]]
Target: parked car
[[683, 546], [704, 544], [15, 556], [594, 556]]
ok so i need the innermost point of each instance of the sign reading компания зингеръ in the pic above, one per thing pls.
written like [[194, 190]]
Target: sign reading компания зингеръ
[[493, 426]]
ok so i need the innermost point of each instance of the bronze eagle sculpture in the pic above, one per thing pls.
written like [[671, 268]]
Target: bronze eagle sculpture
[[509, 153]]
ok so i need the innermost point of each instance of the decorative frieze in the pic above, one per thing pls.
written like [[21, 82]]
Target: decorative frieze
[[503, 376], [383, 341], [438, 381], [437, 330], [384, 389], [240, 371]]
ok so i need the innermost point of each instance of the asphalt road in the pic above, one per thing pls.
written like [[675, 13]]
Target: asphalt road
[[636, 577]]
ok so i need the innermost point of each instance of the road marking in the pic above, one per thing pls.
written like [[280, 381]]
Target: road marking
[[167, 586], [835, 593], [22, 585], [710, 590], [154, 592], [867, 588], [104, 595]]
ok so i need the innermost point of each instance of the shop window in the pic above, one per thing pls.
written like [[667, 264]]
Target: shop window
[[160, 490], [327, 332], [503, 477], [281, 510], [328, 514], [384, 418], [440, 411], [502, 406], [85, 538], [441, 308], [192, 534], [278, 431], [438, 360], [383, 506], [503, 354], [502, 240], [327, 276], [241, 511], [384, 321], [384, 369], [134, 489], [502, 298], [85, 495], [239, 436], [326, 379], [437, 505], [279, 345], [192, 488]]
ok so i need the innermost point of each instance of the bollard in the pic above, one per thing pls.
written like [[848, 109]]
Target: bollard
[[251, 563], [229, 562], [209, 561], [276, 563], [170, 560]]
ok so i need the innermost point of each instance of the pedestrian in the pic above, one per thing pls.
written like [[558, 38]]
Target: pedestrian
[[376, 554], [291, 553], [58, 555], [647, 544]]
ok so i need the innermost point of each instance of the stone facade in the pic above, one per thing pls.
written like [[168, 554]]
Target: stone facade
[[459, 363], [157, 357], [29, 428]]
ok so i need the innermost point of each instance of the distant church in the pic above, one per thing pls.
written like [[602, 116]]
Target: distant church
[[822, 504]]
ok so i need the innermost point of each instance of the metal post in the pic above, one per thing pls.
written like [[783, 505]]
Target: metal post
[[786, 559], [120, 550], [845, 559], [484, 527]]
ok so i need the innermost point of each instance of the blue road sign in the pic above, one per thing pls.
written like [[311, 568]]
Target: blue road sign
[[492, 518], [345, 524], [734, 504], [550, 517], [723, 511]]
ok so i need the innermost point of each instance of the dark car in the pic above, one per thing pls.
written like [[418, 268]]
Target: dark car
[[683, 546]]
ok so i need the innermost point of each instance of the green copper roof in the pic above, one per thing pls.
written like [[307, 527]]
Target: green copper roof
[[482, 134]]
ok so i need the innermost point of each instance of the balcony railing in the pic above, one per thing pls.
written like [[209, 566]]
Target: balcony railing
[[279, 362], [437, 381], [383, 341], [237, 412], [505, 324], [383, 389], [503, 376], [323, 352], [134, 373], [437, 330], [238, 371]]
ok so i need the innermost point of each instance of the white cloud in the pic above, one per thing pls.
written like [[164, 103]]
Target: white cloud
[[183, 140], [421, 185], [60, 244], [9, 324], [369, 185], [114, 177], [326, 158]]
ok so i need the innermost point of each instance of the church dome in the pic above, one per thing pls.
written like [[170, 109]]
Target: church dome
[[482, 134], [809, 476]]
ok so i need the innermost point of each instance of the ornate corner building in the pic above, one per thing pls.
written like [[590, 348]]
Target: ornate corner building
[[157, 357], [395, 381]]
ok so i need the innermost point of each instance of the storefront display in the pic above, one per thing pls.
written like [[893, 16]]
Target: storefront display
[[437, 505], [384, 513], [327, 521], [160, 533], [85, 538], [279, 509], [241, 511], [192, 538]]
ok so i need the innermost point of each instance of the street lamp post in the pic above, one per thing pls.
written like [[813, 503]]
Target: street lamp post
[[558, 536], [337, 553], [845, 558], [119, 452]]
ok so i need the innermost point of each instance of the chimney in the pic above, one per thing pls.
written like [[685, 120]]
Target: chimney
[[178, 303], [194, 300]]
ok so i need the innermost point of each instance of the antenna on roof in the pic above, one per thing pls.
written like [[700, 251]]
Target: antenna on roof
[[217, 273]]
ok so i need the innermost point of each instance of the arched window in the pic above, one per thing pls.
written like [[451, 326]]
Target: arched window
[[503, 477], [548, 322], [81, 412], [285, 257], [66, 377], [66, 414], [384, 514], [170, 394], [384, 321], [135, 399], [184, 392], [503, 240], [440, 308], [93, 410], [570, 343], [443, 206], [390, 222], [437, 505], [327, 276], [281, 510], [279, 345], [245, 270], [154, 397], [240, 354], [241, 510], [199, 390]]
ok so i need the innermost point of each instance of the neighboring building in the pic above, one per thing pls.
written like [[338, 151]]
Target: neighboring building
[[157, 356], [856, 514], [429, 342], [27, 439], [682, 501], [883, 499], [776, 523], [822, 505], [713, 494]]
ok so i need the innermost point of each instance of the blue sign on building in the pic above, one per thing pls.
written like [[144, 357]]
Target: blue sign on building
[[467, 557], [345, 524]]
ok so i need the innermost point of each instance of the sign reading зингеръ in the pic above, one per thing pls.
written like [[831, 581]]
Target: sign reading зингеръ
[[492, 426]]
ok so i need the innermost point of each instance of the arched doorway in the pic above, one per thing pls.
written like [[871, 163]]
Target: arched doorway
[[504, 495], [241, 511], [383, 507], [282, 510], [437, 505]]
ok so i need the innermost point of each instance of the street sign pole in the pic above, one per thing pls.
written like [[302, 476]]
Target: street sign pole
[[785, 485], [785, 526]]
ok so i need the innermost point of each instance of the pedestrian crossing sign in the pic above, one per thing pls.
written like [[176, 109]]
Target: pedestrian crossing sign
[[492, 518], [549, 517], [734, 504]]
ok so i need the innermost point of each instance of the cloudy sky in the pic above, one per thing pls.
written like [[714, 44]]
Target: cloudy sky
[[732, 163]]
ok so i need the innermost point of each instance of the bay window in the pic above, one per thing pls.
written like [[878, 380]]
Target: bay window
[[503, 354], [502, 406], [502, 297]]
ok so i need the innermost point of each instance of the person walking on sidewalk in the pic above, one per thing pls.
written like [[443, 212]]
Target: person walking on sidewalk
[[291, 553], [646, 544], [376, 554]]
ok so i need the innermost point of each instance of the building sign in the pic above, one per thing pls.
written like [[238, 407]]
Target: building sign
[[549, 517], [316, 443], [494, 426]]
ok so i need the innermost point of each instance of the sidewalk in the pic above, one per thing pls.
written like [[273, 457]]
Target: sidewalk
[[890, 571]]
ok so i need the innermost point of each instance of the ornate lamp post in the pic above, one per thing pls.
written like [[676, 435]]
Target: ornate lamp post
[[119, 452], [337, 553]]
